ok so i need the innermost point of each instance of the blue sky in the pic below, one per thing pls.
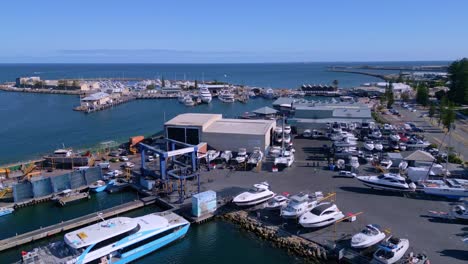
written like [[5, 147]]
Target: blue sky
[[232, 31]]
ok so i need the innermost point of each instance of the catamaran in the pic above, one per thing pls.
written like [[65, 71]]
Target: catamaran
[[116, 240]]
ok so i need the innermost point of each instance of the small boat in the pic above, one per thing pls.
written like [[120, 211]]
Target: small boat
[[376, 133], [460, 211], [189, 101], [369, 145], [64, 193], [450, 188], [277, 202], [307, 133], [465, 240], [369, 236], [6, 210], [257, 195], [73, 197], [256, 156], [354, 162], [181, 98], [416, 259], [269, 94], [387, 181], [321, 215], [345, 142], [394, 137], [226, 155], [241, 155], [378, 146], [391, 250], [286, 159], [299, 204], [212, 155], [98, 186], [386, 163]]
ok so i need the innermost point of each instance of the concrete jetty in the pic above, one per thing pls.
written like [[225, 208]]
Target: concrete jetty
[[73, 223]]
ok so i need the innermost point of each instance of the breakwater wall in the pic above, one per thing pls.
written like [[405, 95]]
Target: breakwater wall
[[296, 245], [43, 91]]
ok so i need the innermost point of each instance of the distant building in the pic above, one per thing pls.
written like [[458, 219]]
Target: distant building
[[96, 99]]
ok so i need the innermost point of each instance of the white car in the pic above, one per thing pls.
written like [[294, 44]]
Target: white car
[[123, 158], [128, 165], [150, 159], [347, 174], [104, 165]]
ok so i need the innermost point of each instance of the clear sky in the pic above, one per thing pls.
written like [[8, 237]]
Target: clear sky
[[232, 31]]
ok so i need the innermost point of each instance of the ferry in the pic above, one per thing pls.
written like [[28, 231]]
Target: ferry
[[117, 240]]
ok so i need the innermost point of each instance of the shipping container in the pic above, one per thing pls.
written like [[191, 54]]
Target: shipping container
[[204, 203]]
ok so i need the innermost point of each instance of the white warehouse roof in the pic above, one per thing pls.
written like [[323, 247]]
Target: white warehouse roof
[[240, 126], [193, 119]]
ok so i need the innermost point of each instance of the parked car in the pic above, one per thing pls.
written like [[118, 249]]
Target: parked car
[[127, 165], [104, 165], [418, 129], [123, 158], [347, 174], [150, 158]]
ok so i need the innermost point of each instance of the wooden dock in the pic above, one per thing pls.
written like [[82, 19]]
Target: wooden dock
[[73, 223]]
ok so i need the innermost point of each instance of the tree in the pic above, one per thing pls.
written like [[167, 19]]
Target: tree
[[335, 83], [150, 87], [196, 84], [422, 95], [389, 95], [448, 116], [163, 82], [405, 96], [432, 110], [442, 105], [458, 77]]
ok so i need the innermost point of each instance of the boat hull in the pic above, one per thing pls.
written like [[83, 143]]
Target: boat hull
[[152, 246], [253, 202], [98, 189], [385, 187], [322, 223], [451, 194], [6, 212]]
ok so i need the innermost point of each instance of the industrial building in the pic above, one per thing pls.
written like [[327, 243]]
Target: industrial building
[[316, 114], [220, 133]]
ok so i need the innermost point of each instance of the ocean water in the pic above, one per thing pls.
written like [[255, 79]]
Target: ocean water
[[34, 124]]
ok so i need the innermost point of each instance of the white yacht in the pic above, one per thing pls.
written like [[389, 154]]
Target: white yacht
[[378, 146], [450, 188], [226, 96], [369, 145], [255, 157], [369, 236], [391, 250], [258, 194], [275, 151], [287, 138], [269, 93], [205, 95], [226, 155], [278, 134], [116, 240], [354, 162], [181, 98], [376, 133], [299, 204], [321, 215], [188, 101], [345, 142], [460, 211], [277, 202], [241, 156], [386, 163], [387, 181], [286, 159]]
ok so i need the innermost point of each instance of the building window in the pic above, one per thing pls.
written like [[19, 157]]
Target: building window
[[176, 133], [192, 136]]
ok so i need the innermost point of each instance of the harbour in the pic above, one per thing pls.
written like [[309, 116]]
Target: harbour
[[308, 172]]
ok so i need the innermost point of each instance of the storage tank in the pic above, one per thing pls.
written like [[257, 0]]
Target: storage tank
[[204, 203]]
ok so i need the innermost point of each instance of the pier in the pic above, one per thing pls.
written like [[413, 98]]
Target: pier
[[74, 223], [380, 76]]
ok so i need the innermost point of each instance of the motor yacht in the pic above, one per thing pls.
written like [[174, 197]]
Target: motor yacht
[[378, 146], [205, 95], [116, 240], [285, 159], [241, 156], [387, 181], [369, 236], [391, 250], [275, 151], [299, 204], [386, 163], [100, 185], [354, 162], [226, 96], [269, 94], [212, 155], [369, 145], [256, 156], [226, 156], [278, 134], [258, 194], [345, 142], [321, 215], [277, 202], [188, 101], [450, 188]]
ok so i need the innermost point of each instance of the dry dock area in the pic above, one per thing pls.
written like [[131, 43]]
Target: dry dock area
[[404, 216]]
